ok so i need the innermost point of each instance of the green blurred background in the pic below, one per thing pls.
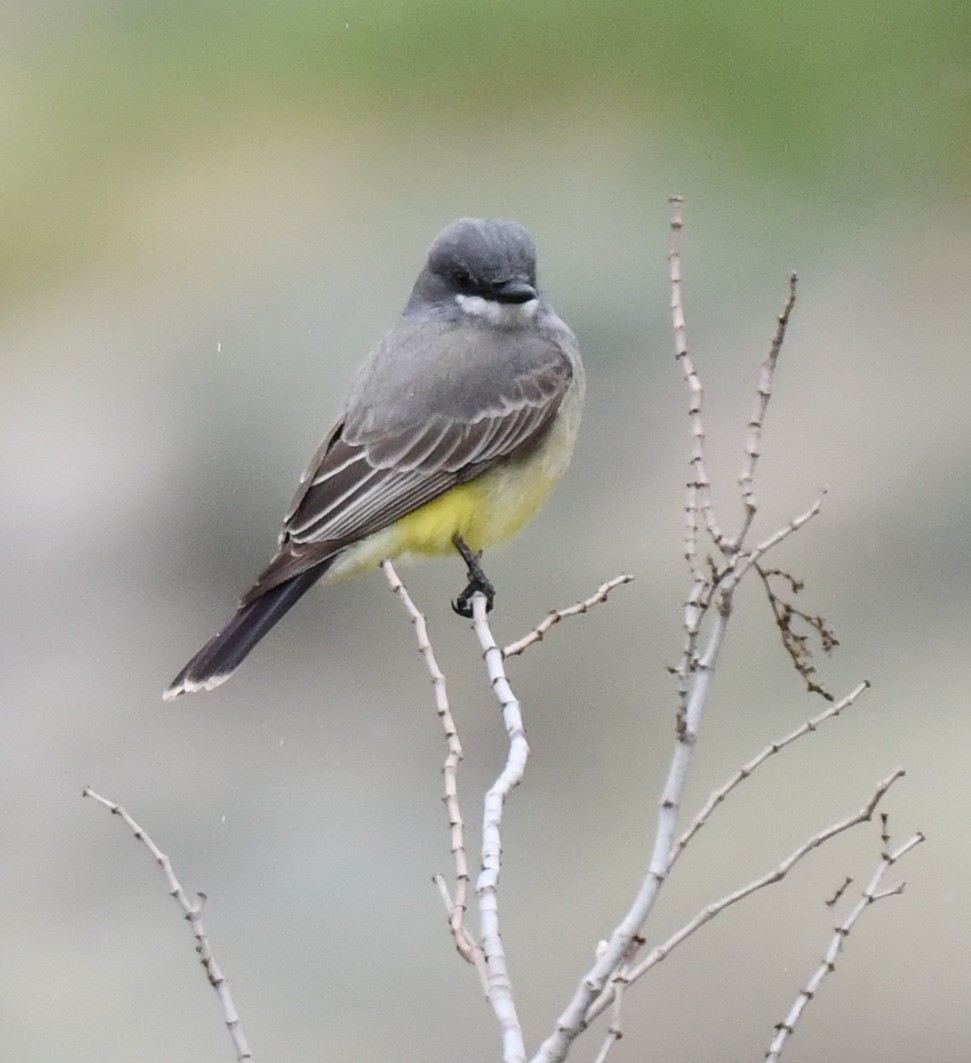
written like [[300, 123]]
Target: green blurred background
[[208, 214]]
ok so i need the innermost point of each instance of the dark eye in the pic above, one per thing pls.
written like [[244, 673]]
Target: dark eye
[[462, 278]]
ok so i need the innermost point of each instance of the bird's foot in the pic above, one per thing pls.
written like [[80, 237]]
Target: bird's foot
[[478, 581]]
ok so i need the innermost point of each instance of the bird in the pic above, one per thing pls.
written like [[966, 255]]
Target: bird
[[454, 432]]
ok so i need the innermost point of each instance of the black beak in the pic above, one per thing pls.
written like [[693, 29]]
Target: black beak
[[513, 291]]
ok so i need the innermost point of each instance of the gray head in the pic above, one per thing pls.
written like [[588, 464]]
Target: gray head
[[483, 267]]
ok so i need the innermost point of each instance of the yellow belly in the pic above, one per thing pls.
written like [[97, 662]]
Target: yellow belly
[[484, 512]]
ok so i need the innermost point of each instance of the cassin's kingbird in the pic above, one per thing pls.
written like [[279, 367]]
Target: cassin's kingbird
[[453, 435]]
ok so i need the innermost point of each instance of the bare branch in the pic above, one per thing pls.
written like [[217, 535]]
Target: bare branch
[[706, 615], [458, 899], [777, 874], [556, 615], [795, 642], [614, 1031], [753, 440], [710, 599], [743, 773], [783, 533], [574, 1019], [193, 913], [699, 498], [870, 896], [618, 984], [500, 990], [840, 890]]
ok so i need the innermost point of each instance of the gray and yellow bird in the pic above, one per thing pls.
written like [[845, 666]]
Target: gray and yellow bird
[[454, 433]]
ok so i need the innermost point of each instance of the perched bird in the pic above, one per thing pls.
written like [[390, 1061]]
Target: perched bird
[[454, 433]]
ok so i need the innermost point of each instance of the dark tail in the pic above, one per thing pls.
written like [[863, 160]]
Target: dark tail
[[225, 651]]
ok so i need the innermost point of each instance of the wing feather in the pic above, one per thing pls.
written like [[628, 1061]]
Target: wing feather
[[394, 453]]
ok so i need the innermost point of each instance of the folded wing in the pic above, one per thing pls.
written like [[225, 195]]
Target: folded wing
[[372, 470]]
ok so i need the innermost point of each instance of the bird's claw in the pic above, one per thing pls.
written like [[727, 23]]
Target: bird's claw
[[477, 585]]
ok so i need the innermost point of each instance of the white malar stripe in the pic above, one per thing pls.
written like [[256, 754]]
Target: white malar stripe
[[502, 315]]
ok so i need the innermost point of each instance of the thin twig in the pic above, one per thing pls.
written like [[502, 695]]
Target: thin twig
[[614, 1032], [575, 1017], [711, 597], [619, 983], [831, 902], [724, 579], [500, 991], [707, 608], [795, 642], [699, 498], [777, 874], [870, 896], [556, 615], [695, 610], [743, 773], [750, 557], [753, 440], [193, 913], [457, 900]]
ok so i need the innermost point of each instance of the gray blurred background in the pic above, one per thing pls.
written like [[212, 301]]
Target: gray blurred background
[[208, 214]]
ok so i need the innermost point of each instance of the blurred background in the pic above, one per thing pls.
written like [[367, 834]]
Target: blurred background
[[209, 213]]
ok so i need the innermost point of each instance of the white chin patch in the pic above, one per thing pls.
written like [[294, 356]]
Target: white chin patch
[[503, 315]]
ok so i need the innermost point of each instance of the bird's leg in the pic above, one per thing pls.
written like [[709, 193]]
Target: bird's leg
[[477, 580]]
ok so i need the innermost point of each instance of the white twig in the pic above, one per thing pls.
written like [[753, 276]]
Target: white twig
[[777, 874], [457, 901], [619, 984], [743, 773], [193, 913], [556, 615], [575, 1017], [614, 1031], [762, 548], [699, 498], [711, 587], [707, 612], [870, 896], [723, 580], [753, 439], [719, 584], [500, 990]]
